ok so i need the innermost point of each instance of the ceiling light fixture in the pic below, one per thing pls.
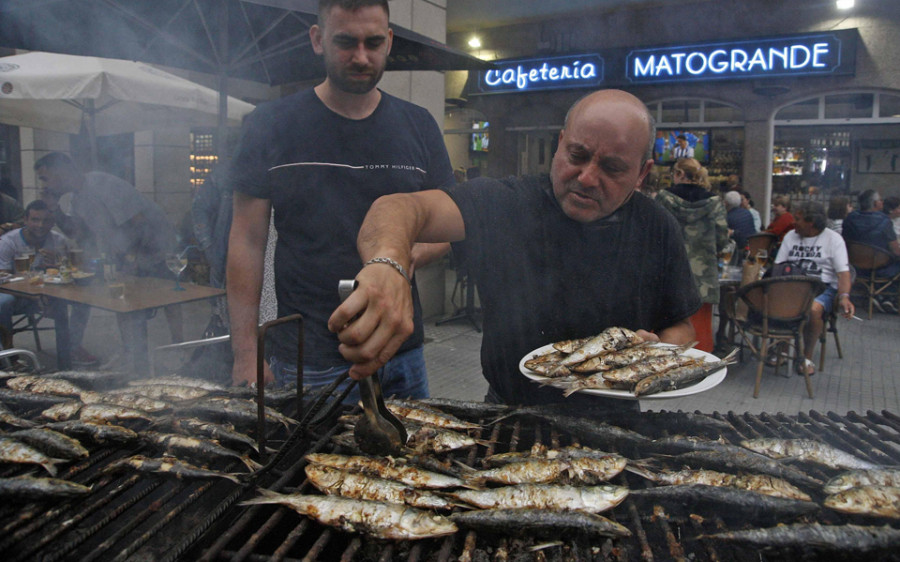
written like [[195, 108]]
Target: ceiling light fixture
[[845, 4], [475, 42]]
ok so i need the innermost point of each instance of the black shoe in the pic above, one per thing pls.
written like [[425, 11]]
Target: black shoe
[[888, 307], [878, 305]]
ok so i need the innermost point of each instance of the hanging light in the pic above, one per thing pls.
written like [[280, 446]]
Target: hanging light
[[845, 4], [475, 42]]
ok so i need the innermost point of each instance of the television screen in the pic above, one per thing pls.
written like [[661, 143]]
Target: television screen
[[668, 147], [480, 137]]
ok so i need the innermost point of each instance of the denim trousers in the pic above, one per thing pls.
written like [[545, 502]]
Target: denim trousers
[[403, 376]]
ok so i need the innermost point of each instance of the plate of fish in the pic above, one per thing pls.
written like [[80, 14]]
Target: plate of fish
[[618, 364]]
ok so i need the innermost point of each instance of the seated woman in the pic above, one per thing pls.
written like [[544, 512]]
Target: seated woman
[[838, 209], [784, 220], [819, 252]]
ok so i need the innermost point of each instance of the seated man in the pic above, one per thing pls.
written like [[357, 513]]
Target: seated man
[[869, 225], [48, 246], [740, 221], [819, 252]]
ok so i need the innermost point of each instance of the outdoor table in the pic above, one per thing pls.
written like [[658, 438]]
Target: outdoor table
[[141, 295]]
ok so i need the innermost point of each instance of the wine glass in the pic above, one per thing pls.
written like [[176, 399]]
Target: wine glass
[[762, 256], [176, 264]]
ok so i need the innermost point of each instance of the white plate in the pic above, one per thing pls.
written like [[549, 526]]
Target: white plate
[[53, 280], [701, 386]]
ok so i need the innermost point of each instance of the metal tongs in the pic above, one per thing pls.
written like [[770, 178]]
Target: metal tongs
[[378, 431]]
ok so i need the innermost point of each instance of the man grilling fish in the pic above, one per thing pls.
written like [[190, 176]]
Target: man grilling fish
[[557, 257]]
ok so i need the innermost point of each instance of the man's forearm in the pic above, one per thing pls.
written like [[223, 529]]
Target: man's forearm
[[244, 286]]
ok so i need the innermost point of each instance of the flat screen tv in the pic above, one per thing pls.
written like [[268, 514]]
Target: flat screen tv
[[480, 136], [667, 141]]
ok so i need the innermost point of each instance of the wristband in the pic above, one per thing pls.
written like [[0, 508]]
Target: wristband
[[392, 263], [843, 295]]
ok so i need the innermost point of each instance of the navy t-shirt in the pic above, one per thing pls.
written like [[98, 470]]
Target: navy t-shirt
[[543, 277], [322, 172]]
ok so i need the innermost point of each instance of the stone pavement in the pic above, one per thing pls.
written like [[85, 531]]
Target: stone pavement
[[867, 378]]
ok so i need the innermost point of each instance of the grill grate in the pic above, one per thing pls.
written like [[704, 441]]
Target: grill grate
[[139, 517]]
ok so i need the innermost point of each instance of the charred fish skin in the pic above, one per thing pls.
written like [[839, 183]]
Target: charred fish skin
[[175, 380], [465, 408], [540, 522], [101, 434], [52, 443], [426, 416], [164, 392], [31, 489], [880, 501], [12, 451], [736, 460], [223, 433], [595, 433], [41, 385], [333, 481], [610, 339], [593, 499], [9, 418], [681, 376], [388, 470], [828, 538], [23, 400], [423, 438], [863, 477], [377, 519], [195, 446], [808, 450], [760, 483], [64, 411], [105, 413], [125, 400], [167, 466], [731, 504]]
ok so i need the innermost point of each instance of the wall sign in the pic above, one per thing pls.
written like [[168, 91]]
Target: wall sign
[[525, 75], [796, 55]]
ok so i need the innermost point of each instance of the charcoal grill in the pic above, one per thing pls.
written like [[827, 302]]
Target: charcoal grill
[[141, 517]]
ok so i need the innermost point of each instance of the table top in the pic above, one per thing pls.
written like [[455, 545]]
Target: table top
[[141, 293]]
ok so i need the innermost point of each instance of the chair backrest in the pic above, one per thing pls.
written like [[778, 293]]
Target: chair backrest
[[761, 241], [866, 256], [785, 299]]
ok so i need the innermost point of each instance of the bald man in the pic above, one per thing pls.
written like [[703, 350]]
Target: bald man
[[556, 257]]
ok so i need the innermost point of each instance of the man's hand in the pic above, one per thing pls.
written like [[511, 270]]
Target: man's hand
[[846, 306], [374, 320], [243, 373]]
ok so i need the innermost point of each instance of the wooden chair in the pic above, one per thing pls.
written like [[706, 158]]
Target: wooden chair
[[777, 312], [762, 241], [869, 259]]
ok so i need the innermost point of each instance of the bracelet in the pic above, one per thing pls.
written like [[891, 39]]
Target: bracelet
[[392, 263], [843, 295]]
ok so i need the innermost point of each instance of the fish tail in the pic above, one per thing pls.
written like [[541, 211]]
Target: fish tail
[[731, 357], [50, 466], [250, 463], [265, 497], [231, 476], [570, 391], [641, 470]]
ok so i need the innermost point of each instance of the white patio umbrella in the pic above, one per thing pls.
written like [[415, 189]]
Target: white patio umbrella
[[105, 96]]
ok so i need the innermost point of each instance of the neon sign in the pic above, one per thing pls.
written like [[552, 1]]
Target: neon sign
[[576, 71], [799, 55]]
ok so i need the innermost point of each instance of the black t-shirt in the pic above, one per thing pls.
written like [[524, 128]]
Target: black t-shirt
[[322, 171], [543, 277]]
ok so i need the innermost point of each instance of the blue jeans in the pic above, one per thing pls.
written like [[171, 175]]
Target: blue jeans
[[403, 376]]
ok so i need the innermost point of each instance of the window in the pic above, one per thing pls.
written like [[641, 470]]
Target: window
[[849, 106]]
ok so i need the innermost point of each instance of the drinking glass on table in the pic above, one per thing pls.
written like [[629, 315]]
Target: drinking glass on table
[[22, 263], [177, 262], [762, 256]]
